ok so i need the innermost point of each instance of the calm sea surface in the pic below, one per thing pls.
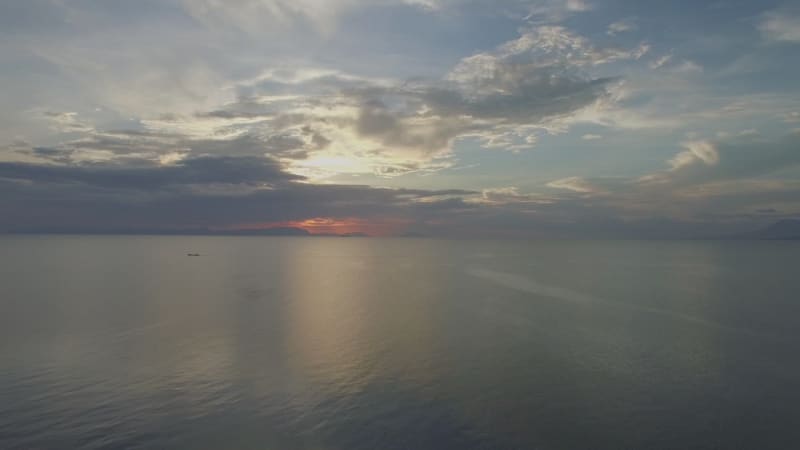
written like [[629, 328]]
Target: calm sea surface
[[333, 343]]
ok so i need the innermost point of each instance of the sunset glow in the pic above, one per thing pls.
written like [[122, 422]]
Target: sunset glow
[[335, 226], [399, 224], [579, 118]]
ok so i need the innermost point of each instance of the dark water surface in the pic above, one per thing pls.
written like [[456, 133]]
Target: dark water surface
[[327, 343]]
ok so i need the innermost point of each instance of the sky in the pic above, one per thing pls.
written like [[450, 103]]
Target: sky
[[462, 118]]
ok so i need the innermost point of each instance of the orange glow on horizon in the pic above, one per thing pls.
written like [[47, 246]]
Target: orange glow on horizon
[[336, 226]]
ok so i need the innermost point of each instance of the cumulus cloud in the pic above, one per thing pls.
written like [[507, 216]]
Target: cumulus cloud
[[553, 44], [319, 122], [504, 97]]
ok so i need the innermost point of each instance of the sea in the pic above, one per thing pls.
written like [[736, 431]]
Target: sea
[[126, 342]]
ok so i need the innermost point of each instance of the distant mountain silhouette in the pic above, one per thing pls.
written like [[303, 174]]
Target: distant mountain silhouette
[[783, 229]]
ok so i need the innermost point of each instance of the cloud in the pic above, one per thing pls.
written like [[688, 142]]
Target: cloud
[[67, 122], [555, 11], [696, 151], [792, 117], [781, 26], [190, 171], [621, 26], [523, 83], [154, 145], [358, 125], [661, 61], [511, 195], [733, 158], [687, 67], [708, 187], [574, 184], [262, 16], [258, 16], [578, 5], [710, 183], [229, 112], [320, 122], [675, 65], [552, 44], [195, 193]]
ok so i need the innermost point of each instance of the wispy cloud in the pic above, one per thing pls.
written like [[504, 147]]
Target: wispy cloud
[[621, 26], [781, 26], [575, 184]]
